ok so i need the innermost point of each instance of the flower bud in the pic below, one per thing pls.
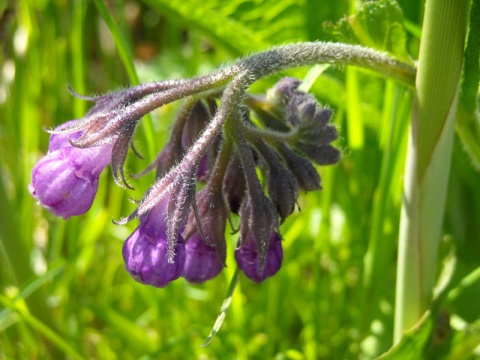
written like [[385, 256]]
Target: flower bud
[[316, 133], [288, 99], [60, 141], [65, 180], [248, 257], [258, 217], [283, 91], [167, 158], [203, 169], [303, 170], [321, 154], [212, 215], [197, 119], [283, 190], [145, 252], [282, 185], [234, 185], [202, 262]]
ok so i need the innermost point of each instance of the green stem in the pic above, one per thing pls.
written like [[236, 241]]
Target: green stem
[[428, 157], [252, 133], [310, 53]]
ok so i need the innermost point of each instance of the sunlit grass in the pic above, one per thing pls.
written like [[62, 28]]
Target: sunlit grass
[[63, 288]]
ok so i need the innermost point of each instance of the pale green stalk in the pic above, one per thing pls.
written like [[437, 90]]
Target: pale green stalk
[[428, 157]]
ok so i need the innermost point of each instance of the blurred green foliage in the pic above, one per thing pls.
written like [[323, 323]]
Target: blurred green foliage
[[64, 292]]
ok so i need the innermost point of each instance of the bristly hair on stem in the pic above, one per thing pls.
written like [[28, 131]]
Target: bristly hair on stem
[[300, 126]]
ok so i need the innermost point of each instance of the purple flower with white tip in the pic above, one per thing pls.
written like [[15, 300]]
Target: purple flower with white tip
[[248, 258], [202, 262], [145, 252]]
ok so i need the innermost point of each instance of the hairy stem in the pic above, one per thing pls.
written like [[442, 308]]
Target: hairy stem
[[239, 77], [310, 53]]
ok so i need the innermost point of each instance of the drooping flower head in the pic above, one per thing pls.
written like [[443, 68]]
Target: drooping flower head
[[294, 133]]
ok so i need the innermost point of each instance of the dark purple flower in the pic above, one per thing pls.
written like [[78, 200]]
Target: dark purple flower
[[145, 252], [65, 180], [202, 262], [205, 256], [203, 169], [248, 260], [197, 119], [170, 155], [234, 184]]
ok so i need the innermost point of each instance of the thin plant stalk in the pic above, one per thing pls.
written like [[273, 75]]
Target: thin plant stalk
[[428, 157]]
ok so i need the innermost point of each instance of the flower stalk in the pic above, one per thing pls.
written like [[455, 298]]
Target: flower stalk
[[428, 157]]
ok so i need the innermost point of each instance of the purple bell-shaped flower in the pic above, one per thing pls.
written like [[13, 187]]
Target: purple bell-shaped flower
[[202, 262], [248, 260], [145, 252], [65, 180]]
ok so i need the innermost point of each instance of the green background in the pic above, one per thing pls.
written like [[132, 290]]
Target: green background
[[64, 291]]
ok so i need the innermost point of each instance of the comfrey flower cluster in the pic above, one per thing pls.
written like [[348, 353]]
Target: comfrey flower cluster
[[221, 137]]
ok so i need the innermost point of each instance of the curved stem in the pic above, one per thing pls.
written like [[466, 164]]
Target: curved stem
[[310, 53], [252, 133], [239, 77], [232, 94]]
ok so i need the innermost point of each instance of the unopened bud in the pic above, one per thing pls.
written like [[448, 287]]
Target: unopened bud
[[202, 261], [248, 257], [145, 252], [305, 173]]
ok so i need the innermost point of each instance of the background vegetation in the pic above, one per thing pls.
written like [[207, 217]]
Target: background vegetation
[[64, 291]]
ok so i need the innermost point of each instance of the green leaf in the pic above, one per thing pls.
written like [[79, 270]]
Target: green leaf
[[463, 343], [378, 24], [239, 25], [126, 329], [225, 306], [471, 76], [284, 18], [463, 298], [468, 122], [222, 29], [428, 334], [433, 337], [413, 342], [19, 307]]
